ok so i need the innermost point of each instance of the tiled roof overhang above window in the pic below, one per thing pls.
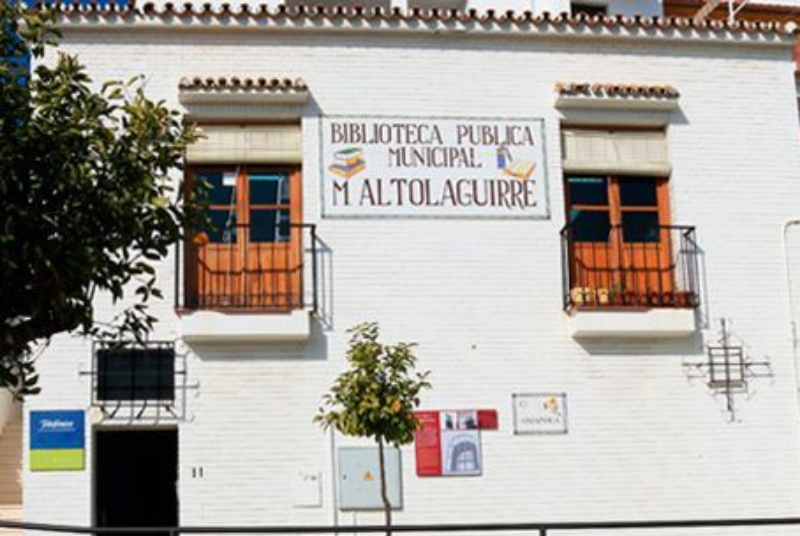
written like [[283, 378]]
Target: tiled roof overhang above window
[[616, 96], [346, 18], [242, 90]]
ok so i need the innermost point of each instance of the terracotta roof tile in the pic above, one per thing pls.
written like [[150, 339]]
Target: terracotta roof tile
[[236, 83], [573, 89], [518, 20]]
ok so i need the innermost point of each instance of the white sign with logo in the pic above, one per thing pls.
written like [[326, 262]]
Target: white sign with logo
[[421, 167], [540, 413]]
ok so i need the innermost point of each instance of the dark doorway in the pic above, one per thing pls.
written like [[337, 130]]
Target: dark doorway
[[136, 477]]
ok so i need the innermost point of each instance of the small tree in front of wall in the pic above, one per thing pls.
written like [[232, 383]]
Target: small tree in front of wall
[[376, 396]]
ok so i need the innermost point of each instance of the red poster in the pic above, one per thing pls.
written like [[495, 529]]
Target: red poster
[[428, 444], [487, 419]]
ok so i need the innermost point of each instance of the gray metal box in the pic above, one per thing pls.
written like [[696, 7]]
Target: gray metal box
[[360, 478]]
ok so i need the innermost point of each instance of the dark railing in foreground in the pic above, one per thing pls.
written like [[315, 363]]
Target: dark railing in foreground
[[241, 269], [540, 529], [630, 268]]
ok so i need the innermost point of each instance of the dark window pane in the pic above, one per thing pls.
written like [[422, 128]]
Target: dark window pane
[[639, 192], [640, 227], [220, 187], [590, 226], [588, 191], [269, 225], [268, 188], [136, 374], [221, 227]]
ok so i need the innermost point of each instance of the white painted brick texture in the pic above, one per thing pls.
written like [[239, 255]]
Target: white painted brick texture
[[483, 297]]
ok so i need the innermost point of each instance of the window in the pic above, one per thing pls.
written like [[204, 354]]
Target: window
[[249, 253], [620, 242], [591, 10], [637, 205], [620, 247], [135, 374], [252, 204], [589, 209]]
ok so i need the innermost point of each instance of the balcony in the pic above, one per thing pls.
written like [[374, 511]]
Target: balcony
[[245, 284], [629, 282]]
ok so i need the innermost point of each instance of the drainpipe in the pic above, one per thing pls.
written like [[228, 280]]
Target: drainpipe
[[792, 320]]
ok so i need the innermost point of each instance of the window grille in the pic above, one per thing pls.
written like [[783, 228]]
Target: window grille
[[132, 381]]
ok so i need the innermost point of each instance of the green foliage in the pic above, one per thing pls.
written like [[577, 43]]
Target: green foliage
[[86, 199], [377, 395]]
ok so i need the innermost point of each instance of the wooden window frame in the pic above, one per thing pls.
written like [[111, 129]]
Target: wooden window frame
[[242, 202], [611, 271], [614, 207], [247, 260]]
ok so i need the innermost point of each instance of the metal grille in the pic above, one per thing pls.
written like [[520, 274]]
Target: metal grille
[[240, 270], [623, 267], [132, 381]]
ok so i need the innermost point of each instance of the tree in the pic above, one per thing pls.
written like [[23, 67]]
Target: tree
[[376, 396], [86, 200]]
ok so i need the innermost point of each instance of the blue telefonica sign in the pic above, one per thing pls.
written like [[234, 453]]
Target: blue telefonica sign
[[57, 440]]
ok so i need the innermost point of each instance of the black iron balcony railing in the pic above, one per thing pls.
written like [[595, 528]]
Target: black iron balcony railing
[[619, 267], [243, 268]]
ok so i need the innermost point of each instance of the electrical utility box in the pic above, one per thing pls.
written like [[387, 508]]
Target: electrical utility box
[[360, 478]]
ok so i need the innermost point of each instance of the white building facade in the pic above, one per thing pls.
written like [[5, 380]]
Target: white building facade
[[560, 212]]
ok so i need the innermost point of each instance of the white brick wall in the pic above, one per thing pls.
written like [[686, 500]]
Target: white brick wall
[[483, 297]]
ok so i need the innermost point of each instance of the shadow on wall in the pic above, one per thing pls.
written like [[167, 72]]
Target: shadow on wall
[[313, 349], [321, 277], [703, 312], [624, 347], [324, 313], [731, 371]]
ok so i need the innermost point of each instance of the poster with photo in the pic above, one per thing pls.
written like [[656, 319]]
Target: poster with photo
[[468, 420], [449, 420], [448, 442], [461, 453]]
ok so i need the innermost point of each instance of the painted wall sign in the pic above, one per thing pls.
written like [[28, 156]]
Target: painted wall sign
[[540, 413], [448, 442], [57, 440], [421, 167]]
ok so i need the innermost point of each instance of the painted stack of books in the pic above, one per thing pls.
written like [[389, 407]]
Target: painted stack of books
[[348, 162], [521, 169]]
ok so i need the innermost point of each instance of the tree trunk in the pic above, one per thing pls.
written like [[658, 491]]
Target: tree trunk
[[387, 506]]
